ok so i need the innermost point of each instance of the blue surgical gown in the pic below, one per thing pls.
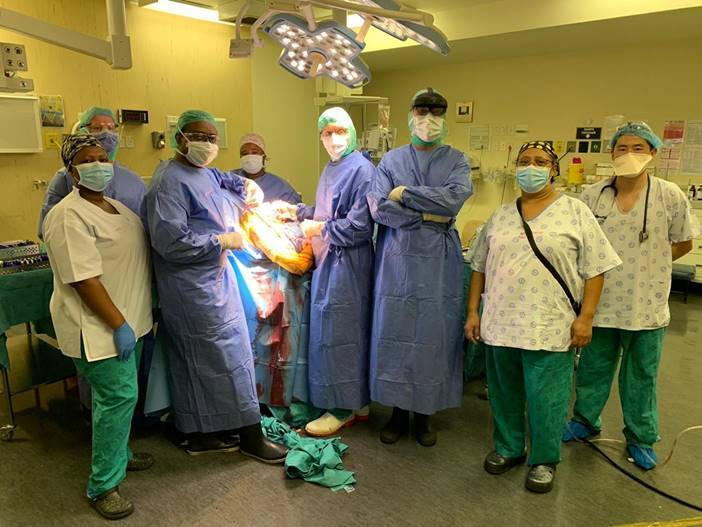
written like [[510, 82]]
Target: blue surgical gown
[[126, 187], [416, 342], [208, 349], [341, 285], [274, 188]]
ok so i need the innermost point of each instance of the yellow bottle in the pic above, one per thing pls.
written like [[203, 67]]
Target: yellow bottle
[[576, 172]]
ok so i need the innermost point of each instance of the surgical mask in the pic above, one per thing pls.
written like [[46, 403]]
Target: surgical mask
[[252, 163], [531, 179], [335, 145], [201, 153], [96, 175], [108, 140], [427, 127], [631, 164]]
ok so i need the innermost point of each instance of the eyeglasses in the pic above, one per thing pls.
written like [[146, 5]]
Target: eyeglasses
[[436, 111], [96, 129], [539, 162], [200, 137]]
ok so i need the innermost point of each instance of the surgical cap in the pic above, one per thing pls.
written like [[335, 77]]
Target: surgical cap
[[92, 112], [194, 116], [254, 139], [547, 148], [429, 98], [338, 116], [639, 129], [74, 144]]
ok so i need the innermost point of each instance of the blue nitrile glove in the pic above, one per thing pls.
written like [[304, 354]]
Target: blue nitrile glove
[[125, 340]]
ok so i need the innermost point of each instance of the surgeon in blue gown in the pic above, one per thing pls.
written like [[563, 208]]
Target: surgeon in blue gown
[[191, 214], [252, 153], [126, 186], [340, 228], [416, 342]]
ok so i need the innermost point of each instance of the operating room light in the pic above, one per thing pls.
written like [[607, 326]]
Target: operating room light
[[188, 10]]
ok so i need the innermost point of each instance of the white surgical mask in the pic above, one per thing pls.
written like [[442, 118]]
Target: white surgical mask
[[335, 145], [252, 163], [631, 164], [427, 127], [201, 153]]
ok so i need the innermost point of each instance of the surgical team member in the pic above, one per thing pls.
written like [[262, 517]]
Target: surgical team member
[[252, 150], [528, 323], [125, 186], [100, 307], [416, 343], [340, 228], [191, 212], [650, 224]]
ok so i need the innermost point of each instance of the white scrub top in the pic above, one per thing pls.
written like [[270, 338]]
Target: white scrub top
[[523, 305], [635, 293], [83, 241]]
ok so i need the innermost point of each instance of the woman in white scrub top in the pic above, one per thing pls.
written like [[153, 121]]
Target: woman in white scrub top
[[101, 307]]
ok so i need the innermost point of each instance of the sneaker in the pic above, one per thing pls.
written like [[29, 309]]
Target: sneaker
[[497, 464], [111, 505], [540, 478], [577, 431], [328, 425], [642, 457], [140, 461], [208, 444]]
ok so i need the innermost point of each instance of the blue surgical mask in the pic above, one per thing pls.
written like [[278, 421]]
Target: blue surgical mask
[[95, 176], [531, 179], [109, 141]]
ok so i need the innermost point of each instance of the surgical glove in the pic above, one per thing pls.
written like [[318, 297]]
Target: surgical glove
[[254, 194], [284, 211], [230, 240], [396, 194], [125, 341], [436, 218], [311, 228]]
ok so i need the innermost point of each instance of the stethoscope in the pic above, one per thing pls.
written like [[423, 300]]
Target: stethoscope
[[643, 235]]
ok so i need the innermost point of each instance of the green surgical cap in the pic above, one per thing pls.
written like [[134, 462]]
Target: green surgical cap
[[194, 116], [638, 129], [92, 112], [338, 116]]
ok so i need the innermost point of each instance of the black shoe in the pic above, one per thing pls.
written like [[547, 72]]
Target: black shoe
[[423, 433], [209, 443], [254, 444], [396, 427], [140, 461], [497, 464], [540, 478]]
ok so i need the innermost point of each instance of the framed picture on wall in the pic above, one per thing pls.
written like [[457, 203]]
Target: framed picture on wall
[[464, 112]]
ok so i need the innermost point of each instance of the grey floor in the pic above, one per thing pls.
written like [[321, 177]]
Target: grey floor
[[43, 471]]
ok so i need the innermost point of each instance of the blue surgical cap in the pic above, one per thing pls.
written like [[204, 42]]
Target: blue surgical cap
[[639, 129], [194, 116], [338, 116], [92, 112]]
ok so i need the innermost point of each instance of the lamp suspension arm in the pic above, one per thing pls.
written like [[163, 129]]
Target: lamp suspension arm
[[240, 18], [410, 15], [116, 51]]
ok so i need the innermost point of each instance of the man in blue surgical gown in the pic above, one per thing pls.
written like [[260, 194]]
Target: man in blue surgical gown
[[416, 341], [191, 214], [340, 228]]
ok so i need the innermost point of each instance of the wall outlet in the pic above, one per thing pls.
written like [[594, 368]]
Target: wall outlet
[[53, 140]]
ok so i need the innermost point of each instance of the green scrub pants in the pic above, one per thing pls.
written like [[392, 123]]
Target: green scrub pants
[[537, 383], [640, 356], [114, 395]]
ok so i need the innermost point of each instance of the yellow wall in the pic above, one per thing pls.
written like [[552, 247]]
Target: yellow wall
[[179, 63], [553, 94], [284, 113]]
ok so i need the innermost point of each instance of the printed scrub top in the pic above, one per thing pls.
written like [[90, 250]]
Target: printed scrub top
[[523, 305], [635, 293]]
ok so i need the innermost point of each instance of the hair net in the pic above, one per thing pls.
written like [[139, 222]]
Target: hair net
[[254, 139], [92, 112], [546, 147], [338, 116], [74, 144], [194, 116], [639, 129], [429, 98]]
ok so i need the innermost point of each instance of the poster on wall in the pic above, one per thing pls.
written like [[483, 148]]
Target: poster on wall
[[479, 138], [673, 132], [51, 108], [464, 112]]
